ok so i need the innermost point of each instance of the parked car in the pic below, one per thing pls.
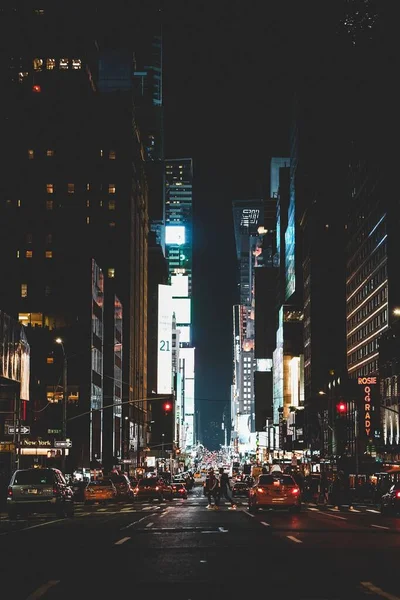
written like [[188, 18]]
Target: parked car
[[39, 491], [100, 490]]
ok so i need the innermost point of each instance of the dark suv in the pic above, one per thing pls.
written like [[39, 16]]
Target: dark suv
[[39, 491]]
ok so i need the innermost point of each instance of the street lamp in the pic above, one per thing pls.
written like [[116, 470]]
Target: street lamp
[[65, 399]]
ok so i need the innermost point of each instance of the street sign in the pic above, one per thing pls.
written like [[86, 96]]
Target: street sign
[[11, 429], [7, 447], [62, 444]]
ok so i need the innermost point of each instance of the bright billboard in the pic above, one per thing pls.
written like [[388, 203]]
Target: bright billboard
[[182, 309], [184, 334], [175, 234], [180, 285], [164, 352]]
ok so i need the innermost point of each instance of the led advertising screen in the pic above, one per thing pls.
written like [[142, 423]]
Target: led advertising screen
[[181, 308], [180, 285], [175, 234], [184, 334], [164, 353]]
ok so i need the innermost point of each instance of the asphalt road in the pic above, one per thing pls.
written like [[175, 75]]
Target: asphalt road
[[181, 550]]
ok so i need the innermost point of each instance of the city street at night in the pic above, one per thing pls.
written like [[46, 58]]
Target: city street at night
[[182, 550]]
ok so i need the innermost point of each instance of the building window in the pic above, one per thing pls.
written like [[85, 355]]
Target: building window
[[71, 188], [112, 223], [49, 254], [112, 155], [88, 187], [49, 188], [38, 64], [21, 76], [111, 188], [87, 203], [49, 152], [111, 273], [87, 220], [49, 205], [49, 238], [101, 153], [24, 290], [101, 203], [50, 64], [50, 360], [111, 205], [63, 63], [31, 154], [17, 253], [28, 254], [76, 63], [18, 202]]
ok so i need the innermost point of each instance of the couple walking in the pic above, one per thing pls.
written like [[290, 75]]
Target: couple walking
[[217, 488]]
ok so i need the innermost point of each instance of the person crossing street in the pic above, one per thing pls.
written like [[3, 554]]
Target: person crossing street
[[224, 486]]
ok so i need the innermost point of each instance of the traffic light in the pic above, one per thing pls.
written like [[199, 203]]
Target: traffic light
[[167, 407], [341, 408]]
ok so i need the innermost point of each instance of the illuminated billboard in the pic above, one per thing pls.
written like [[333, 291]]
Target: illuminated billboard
[[184, 334], [180, 285], [164, 351], [182, 309], [175, 234]]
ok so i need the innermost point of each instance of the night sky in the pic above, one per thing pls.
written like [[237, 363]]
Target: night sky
[[229, 73]]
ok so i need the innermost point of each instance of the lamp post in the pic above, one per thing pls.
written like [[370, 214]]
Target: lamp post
[[64, 405]]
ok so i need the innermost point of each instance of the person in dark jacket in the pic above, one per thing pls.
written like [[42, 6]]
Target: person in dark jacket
[[224, 486], [212, 489]]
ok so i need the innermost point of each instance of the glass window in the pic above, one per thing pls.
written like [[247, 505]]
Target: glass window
[[87, 203], [111, 273], [49, 152], [112, 155], [71, 188], [111, 188], [37, 64], [87, 220], [18, 202], [64, 63], [101, 153], [31, 154], [17, 253], [88, 187], [50, 64], [50, 360], [24, 290], [28, 254], [49, 205], [76, 63], [49, 254], [50, 188], [111, 205], [34, 477]]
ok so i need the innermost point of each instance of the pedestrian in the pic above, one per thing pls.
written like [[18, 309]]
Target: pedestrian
[[323, 489], [212, 489], [224, 486]]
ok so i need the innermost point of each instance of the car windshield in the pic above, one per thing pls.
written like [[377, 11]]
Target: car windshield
[[101, 482], [34, 476], [270, 479]]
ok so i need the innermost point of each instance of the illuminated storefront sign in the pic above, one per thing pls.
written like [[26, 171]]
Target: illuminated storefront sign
[[369, 385]]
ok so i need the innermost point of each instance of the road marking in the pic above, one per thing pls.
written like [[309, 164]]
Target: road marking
[[377, 513], [122, 541], [102, 510], [334, 509], [33, 526], [43, 589], [138, 521], [315, 509], [247, 513], [147, 508], [265, 524], [354, 510], [380, 527], [294, 539], [222, 530], [376, 590], [333, 516], [149, 524], [210, 532]]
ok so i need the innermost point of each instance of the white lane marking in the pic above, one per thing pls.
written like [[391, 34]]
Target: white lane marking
[[122, 541], [334, 509], [373, 511], [222, 530], [147, 508], [311, 508], [102, 510], [333, 516], [247, 513], [380, 527], [138, 521], [265, 524], [149, 524], [33, 526], [210, 532], [376, 590], [354, 510], [294, 539], [43, 589]]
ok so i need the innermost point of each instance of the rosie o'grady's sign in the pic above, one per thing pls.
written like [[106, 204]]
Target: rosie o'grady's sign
[[370, 388]]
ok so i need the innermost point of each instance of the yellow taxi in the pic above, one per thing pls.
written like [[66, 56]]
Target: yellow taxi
[[275, 490], [100, 490]]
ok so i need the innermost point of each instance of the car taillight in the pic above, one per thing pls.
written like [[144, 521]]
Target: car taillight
[[295, 490], [9, 492], [260, 490], [397, 494], [157, 488]]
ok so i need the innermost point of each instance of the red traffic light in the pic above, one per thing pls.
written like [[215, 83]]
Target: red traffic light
[[167, 407], [341, 407]]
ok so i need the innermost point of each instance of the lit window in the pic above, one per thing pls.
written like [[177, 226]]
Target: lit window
[[87, 203], [29, 238], [76, 63], [50, 360], [28, 254], [49, 152], [17, 253], [37, 64], [111, 205], [39, 11], [49, 254], [112, 155], [49, 238], [37, 89], [31, 154], [112, 224], [87, 220], [111, 188], [49, 188], [111, 273], [101, 153], [24, 290], [22, 76], [18, 202], [71, 188], [50, 63], [64, 63], [88, 187], [49, 204], [101, 202]]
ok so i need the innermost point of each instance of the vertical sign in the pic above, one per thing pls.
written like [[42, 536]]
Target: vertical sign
[[164, 352], [370, 390]]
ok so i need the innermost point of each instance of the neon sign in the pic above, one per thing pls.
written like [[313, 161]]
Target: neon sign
[[367, 382]]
